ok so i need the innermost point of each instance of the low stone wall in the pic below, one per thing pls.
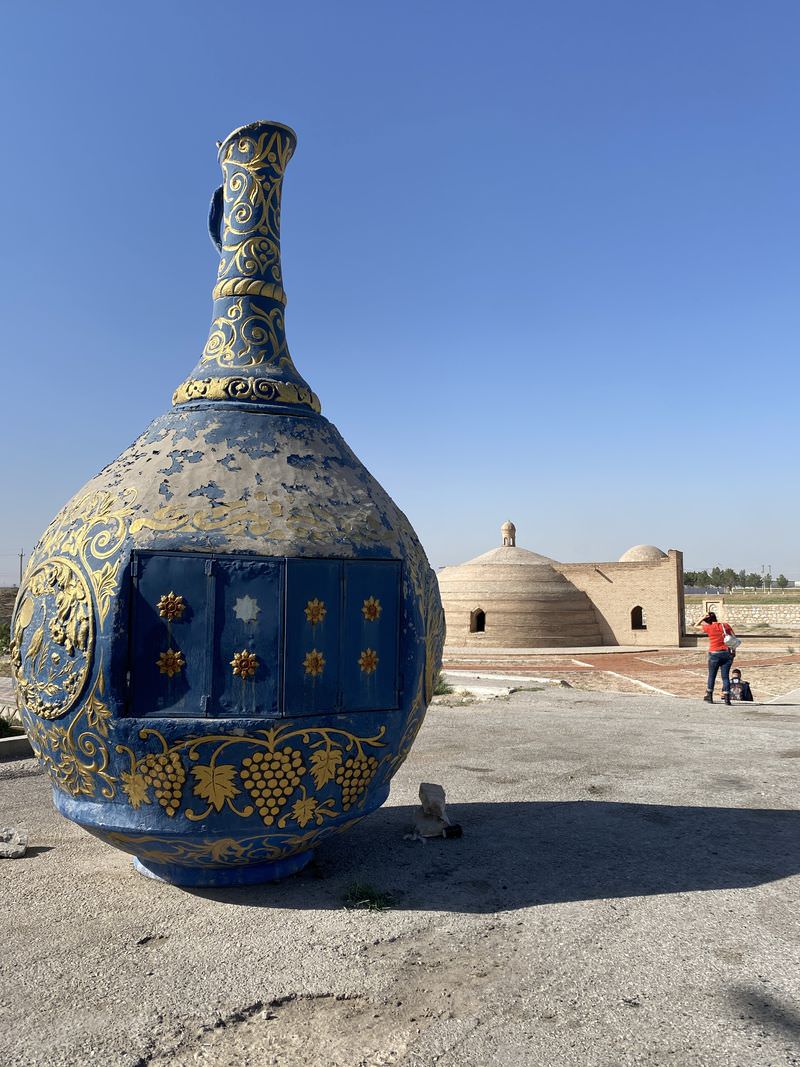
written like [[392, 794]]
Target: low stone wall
[[746, 616]]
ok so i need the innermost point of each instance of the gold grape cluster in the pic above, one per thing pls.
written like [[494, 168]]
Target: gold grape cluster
[[354, 776], [164, 771], [270, 778]]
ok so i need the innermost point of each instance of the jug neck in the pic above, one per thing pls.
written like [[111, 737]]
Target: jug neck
[[246, 357]]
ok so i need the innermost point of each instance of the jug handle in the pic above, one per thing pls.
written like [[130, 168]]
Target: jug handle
[[215, 213]]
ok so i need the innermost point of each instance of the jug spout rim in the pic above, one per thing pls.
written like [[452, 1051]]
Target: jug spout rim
[[256, 124]]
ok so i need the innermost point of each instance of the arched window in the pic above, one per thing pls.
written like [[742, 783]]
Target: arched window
[[477, 621], [638, 619]]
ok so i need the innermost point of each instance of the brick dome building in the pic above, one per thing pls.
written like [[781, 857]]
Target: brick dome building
[[510, 597]]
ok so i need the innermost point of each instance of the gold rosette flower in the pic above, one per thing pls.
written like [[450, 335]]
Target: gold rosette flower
[[371, 609], [171, 606], [315, 611], [244, 663], [314, 663], [171, 662], [368, 661]]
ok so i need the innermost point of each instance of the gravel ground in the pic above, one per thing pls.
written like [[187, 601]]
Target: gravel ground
[[625, 892]]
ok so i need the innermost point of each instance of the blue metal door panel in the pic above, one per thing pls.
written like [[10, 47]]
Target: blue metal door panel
[[169, 669], [312, 636], [247, 625], [370, 629]]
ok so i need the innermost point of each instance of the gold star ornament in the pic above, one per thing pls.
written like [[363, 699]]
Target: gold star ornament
[[315, 611], [244, 664], [368, 661], [314, 663], [371, 609], [171, 607], [170, 662]]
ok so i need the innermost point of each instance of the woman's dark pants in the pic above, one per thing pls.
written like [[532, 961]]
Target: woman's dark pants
[[719, 661]]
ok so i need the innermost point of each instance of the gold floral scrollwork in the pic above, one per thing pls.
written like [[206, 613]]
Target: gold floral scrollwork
[[240, 517], [254, 168], [253, 258], [228, 851], [245, 390], [53, 639], [91, 529], [76, 758], [247, 336]]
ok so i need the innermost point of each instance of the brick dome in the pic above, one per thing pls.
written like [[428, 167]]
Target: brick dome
[[642, 554], [510, 597]]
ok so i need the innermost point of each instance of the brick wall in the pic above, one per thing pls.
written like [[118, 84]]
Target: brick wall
[[616, 589]]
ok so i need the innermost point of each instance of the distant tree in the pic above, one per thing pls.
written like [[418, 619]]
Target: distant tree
[[716, 577], [754, 580], [782, 581], [690, 578], [703, 578], [741, 578], [729, 578]]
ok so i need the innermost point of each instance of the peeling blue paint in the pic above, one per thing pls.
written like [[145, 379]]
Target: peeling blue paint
[[179, 457], [211, 490], [303, 462]]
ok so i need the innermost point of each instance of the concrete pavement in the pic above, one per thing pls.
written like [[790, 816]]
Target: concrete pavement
[[625, 893]]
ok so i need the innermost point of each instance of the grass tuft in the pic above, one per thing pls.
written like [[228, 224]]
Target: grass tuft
[[440, 686], [365, 897]]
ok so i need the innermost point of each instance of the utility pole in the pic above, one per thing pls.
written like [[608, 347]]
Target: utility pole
[[21, 557]]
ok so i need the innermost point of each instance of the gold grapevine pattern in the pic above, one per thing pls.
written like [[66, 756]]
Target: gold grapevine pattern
[[281, 781]]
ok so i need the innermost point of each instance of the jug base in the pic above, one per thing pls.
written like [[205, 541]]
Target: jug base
[[246, 874]]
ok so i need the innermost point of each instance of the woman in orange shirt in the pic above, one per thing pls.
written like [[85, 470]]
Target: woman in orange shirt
[[720, 657]]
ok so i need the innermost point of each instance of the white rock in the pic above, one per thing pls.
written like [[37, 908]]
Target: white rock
[[13, 843]]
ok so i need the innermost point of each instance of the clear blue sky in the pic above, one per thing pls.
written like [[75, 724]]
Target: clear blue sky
[[543, 259]]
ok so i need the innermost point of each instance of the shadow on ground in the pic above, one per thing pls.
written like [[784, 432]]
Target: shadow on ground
[[772, 1014], [517, 855]]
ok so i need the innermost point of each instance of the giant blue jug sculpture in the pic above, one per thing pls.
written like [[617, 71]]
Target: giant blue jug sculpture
[[225, 643]]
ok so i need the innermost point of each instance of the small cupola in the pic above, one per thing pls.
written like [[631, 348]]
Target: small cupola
[[508, 534]]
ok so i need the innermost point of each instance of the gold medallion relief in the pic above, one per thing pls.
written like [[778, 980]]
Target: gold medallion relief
[[53, 639]]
